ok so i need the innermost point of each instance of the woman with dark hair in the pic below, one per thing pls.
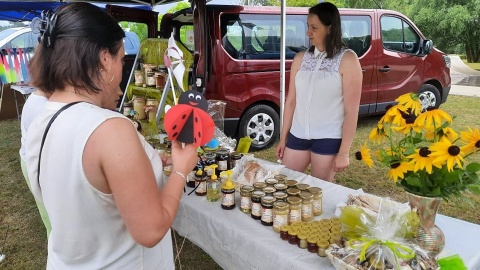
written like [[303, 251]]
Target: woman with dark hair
[[101, 183], [321, 109]]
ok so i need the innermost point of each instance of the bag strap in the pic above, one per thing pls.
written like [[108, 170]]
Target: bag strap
[[46, 131]]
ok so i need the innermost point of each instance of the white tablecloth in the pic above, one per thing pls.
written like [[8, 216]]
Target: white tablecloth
[[236, 241]]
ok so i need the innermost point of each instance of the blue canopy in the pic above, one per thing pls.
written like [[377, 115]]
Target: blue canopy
[[26, 11]]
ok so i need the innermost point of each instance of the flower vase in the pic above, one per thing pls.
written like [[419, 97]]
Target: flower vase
[[429, 237]]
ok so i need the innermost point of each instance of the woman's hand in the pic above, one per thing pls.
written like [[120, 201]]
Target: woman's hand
[[184, 158], [340, 163]]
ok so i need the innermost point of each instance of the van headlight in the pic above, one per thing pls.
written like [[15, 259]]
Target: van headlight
[[447, 60]]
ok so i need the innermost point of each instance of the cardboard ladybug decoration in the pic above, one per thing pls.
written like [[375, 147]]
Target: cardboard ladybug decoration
[[188, 121]]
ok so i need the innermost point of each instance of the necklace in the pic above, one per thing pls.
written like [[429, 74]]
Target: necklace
[[87, 97]]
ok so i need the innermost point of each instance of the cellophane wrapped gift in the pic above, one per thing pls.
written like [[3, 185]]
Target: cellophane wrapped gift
[[250, 170], [380, 240]]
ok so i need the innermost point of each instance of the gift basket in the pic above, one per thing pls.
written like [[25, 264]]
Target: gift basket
[[379, 238]]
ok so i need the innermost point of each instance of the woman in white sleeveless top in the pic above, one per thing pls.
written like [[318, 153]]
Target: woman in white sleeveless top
[[321, 109], [100, 182]]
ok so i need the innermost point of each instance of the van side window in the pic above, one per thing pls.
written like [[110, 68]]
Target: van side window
[[252, 36], [357, 33], [398, 35]]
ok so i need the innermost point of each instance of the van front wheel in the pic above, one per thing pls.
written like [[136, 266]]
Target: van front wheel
[[261, 123], [429, 96]]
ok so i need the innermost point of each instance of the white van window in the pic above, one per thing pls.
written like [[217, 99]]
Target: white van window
[[187, 37], [398, 35], [357, 33], [257, 36]]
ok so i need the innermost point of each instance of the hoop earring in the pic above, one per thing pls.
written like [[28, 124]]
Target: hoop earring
[[113, 77]]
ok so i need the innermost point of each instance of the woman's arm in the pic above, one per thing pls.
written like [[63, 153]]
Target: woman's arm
[[352, 76], [290, 103], [114, 160]]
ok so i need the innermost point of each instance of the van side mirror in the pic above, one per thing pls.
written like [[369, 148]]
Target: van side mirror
[[427, 46]]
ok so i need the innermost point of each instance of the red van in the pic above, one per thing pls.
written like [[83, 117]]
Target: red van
[[237, 60]]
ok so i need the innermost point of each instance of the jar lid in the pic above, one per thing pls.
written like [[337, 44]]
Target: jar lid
[[236, 155], [271, 181], [280, 186], [280, 177], [209, 155], [269, 189], [302, 235], [323, 244], [303, 186], [284, 228], [247, 188], [291, 183], [293, 231], [280, 195], [127, 103], [294, 200], [280, 205], [293, 191], [258, 194], [259, 185], [312, 239], [222, 151], [315, 190], [268, 199], [305, 195]]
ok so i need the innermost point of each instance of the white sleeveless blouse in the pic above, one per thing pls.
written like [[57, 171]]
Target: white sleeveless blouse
[[87, 229], [319, 110]]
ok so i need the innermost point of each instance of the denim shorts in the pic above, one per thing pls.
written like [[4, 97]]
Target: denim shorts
[[317, 146]]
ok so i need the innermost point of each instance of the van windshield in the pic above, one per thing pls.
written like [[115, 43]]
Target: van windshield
[[252, 36], [7, 32]]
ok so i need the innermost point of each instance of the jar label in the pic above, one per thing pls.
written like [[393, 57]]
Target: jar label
[[245, 203], [267, 215], [279, 220], [307, 211], [191, 176], [295, 215], [317, 206], [256, 209], [202, 186], [228, 199], [222, 165]]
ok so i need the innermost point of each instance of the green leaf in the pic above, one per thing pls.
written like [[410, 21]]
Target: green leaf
[[414, 181], [474, 188], [473, 167]]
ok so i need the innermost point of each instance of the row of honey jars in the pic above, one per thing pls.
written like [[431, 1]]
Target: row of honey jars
[[223, 158]]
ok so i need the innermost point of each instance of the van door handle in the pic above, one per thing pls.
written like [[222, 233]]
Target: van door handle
[[364, 70], [384, 69]]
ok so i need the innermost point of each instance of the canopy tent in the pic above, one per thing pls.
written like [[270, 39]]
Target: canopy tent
[[26, 11]]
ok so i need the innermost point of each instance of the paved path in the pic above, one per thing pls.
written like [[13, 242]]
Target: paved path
[[463, 90]]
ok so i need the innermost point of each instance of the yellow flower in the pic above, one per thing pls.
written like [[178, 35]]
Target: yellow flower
[[377, 134], [472, 138], [422, 160], [432, 118], [411, 101], [407, 127], [448, 133], [444, 150], [398, 170], [394, 115], [364, 154]]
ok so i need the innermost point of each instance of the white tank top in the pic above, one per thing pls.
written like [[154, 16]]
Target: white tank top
[[87, 229], [319, 112]]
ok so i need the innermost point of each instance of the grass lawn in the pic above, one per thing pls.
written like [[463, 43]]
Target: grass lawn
[[25, 244], [472, 65]]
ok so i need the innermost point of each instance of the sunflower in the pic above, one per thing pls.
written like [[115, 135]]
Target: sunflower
[[422, 160], [444, 150], [472, 138], [378, 134], [398, 170], [432, 118], [411, 101], [407, 127], [364, 154]]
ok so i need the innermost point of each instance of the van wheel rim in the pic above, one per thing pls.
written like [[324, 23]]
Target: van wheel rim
[[427, 99], [260, 128]]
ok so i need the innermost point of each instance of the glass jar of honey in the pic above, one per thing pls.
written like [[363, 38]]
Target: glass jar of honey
[[303, 187], [269, 190], [322, 247], [280, 215], [302, 240], [292, 236], [246, 199], [280, 187], [280, 196], [295, 214], [257, 204], [293, 192], [291, 183], [307, 206], [266, 217], [281, 178], [271, 182], [312, 244], [284, 232], [317, 200]]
